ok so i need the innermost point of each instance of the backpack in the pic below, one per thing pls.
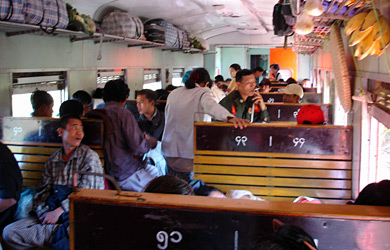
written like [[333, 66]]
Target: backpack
[[281, 27]]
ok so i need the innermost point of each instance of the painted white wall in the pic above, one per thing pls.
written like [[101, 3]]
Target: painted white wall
[[303, 67], [79, 59]]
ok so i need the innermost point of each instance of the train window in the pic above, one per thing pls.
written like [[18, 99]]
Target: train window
[[23, 84], [177, 76], [152, 79], [105, 75]]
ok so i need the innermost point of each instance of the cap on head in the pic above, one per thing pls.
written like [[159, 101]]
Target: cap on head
[[310, 114], [293, 89]]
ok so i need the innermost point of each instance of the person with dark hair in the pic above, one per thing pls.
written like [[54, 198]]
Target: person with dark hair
[[258, 73], [234, 68], [288, 237], [10, 186], [246, 103], [375, 194], [98, 93], [290, 80], [51, 204], [185, 106], [292, 93], [126, 143], [42, 103], [146, 105], [168, 184], [73, 107], [265, 85], [274, 71], [84, 98]]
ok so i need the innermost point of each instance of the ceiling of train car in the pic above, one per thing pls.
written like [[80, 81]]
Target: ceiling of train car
[[202, 18]]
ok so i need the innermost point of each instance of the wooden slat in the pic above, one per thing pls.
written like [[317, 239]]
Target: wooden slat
[[277, 172], [32, 150], [30, 183], [289, 192], [32, 175], [323, 201], [30, 158], [249, 161], [31, 166], [277, 181]]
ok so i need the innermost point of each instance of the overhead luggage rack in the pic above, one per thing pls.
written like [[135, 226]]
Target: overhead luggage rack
[[14, 29], [333, 11]]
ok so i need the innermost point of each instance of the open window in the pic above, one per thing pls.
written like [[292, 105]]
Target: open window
[[177, 76], [24, 84], [152, 79], [105, 75]]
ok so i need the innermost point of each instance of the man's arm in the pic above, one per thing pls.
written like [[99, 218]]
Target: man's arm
[[6, 203]]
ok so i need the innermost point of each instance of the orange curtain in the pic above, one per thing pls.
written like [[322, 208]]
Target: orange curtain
[[286, 58]]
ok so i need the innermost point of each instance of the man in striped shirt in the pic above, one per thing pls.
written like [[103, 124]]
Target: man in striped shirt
[[51, 204]]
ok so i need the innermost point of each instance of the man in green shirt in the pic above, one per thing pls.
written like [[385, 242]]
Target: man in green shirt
[[246, 102]]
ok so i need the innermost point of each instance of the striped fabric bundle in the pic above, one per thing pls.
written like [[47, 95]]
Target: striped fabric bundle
[[174, 37], [12, 11], [47, 13], [123, 24]]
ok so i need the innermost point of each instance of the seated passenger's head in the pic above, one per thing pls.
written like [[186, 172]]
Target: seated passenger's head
[[146, 99], [42, 103], [310, 114], [71, 131], [246, 83], [375, 194], [265, 85], [85, 99], [71, 107], [258, 71], [116, 91], [291, 80], [168, 184], [292, 93], [200, 76], [234, 68], [274, 68], [306, 83]]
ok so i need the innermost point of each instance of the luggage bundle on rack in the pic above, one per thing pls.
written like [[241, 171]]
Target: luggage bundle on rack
[[46, 13], [120, 23], [158, 30]]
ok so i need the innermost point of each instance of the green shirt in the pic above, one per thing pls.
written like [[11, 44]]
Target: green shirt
[[236, 105]]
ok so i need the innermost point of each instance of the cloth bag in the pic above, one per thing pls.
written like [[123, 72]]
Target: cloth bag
[[46, 13], [121, 23], [12, 11]]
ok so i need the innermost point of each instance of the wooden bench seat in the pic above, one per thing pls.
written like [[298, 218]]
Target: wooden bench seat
[[277, 162], [165, 221], [287, 112], [33, 140], [271, 97]]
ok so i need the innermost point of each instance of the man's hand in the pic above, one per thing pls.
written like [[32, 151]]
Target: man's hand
[[152, 140], [258, 99], [52, 216], [237, 122]]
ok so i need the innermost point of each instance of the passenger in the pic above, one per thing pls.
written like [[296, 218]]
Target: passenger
[[306, 83], [50, 226], [275, 74], [98, 93], [170, 87], [311, 114], [217, 92], [169, 184], [288, 237], [234, 68], [202, 189], [258, 72], [42, 104], [85, 99], [126, 141], [185, 106], [146, 105], [290, 80], [292, 93], [375, 194], [186, 76], [245, 100], [71, 107], [10, 186], [265, 85]]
